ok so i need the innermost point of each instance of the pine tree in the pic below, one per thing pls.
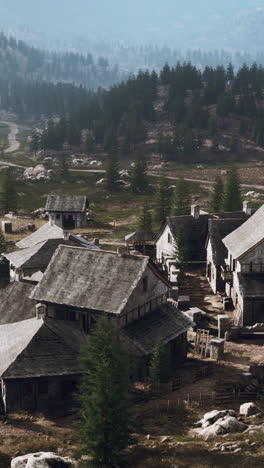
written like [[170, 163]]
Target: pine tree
[[232, 195], [160, 364], [89, 143], [163, 200], [104, 395], [145, 219], [182, 251], [112, 173], [216, 199], [139, 178], [64, 167], [8, 199], [181, 201]]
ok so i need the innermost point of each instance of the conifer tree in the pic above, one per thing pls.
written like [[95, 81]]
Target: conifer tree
[[216, 199], [182, 252], [181, 201], [163, 200], [103, 395], [139, 179], [145, 219], [64, 167], [232, 195], [160, 364], [8, 198], [112, 173]]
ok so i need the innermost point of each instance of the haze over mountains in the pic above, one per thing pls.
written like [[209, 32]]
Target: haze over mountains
[[229, 24]]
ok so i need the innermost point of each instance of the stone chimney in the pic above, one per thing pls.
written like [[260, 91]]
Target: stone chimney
[[41, 311], [247, 208], [195, 211]]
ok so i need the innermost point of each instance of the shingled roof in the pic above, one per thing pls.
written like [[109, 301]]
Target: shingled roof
[[15, 304], [42, 234], [165, 323], [38, 348], [140, 237], [247, 236], [90, 279], [217, 230], [58, 203], [39, 255]]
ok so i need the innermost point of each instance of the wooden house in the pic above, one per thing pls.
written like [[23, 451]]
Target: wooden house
[[243, 272], [29, 264], [216, 251], [78, 287], [67, 212]]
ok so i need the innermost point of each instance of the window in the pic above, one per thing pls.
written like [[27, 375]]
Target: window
[[169, 238], [57, 216], [43, 388], [251, 267], [234, 265], [145, 284]]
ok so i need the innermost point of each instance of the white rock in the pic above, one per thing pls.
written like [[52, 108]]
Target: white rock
[[214, 415], [231, 424], [212, 431], [248, 409], [101, 181], [42, 460]]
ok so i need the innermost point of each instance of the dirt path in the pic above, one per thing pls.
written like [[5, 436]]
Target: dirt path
[[153, 174], [14, 144]]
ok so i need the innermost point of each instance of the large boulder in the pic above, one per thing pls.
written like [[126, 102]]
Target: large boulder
[[213, 416], [231, 424], [248, 409], [43, 460], [217, 423]]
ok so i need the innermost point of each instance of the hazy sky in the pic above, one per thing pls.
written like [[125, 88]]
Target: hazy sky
[[190, 22]]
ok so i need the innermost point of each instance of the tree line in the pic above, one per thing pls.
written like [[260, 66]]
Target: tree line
[[199, 105], [17, 59]]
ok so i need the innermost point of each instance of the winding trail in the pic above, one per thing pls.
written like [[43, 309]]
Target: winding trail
[[14, 144], [152, 174]]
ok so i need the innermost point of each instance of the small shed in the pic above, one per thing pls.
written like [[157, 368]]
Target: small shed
[[142, 241], [67, 212]]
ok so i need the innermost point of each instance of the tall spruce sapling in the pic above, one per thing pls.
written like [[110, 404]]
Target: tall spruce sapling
[[181, 247], [104, 415], [112, 173], [139, 178], [232, 200], [181, 199], [145, 218], [162, 200], [216, 198], [8, 195]]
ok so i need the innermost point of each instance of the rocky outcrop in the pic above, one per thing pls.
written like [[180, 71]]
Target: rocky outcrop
[[217, 423], [37, 173], [43, 460]]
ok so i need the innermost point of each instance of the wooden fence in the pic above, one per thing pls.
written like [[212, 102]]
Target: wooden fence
[[171, 406]]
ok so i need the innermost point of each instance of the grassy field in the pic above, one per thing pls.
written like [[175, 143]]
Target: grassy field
[[118, 211]]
